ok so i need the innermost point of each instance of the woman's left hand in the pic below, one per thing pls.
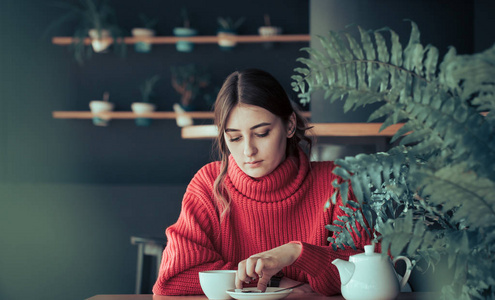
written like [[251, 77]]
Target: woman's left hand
[[266, 264]]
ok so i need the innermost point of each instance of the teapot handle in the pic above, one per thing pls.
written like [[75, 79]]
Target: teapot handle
[[408, 269]]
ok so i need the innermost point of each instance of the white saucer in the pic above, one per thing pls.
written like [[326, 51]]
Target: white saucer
[[269, 294]]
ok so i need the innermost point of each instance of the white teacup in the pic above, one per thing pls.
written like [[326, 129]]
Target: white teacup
[[215, 283]]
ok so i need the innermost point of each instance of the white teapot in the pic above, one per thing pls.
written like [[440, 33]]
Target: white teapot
[[370, 276]]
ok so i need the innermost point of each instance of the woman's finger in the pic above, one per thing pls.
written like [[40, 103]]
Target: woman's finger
[[251, 266], [259, 268], [241, 274]]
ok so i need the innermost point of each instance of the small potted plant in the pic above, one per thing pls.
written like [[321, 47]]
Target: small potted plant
[[268, 30], [95, 19], [145, 106], [227, 32], [189, 81], [144, 33], [185, 31], [99, 107]]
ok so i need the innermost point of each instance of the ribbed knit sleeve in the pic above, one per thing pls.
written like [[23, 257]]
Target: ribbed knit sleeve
[[190, 248]]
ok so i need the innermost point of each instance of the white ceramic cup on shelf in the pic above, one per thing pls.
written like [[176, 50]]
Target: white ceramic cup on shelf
[[215, 283]]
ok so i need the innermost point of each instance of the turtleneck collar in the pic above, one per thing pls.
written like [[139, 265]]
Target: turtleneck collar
[[276, 186]]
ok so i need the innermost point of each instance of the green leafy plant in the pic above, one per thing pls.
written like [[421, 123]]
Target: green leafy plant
[[189, 81], [229, 24], [433, 195], [186, 21], [147, 87], [89, 14], [147, 22]]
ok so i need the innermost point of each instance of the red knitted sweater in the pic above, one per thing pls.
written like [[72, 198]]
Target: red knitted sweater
[[283, 206]]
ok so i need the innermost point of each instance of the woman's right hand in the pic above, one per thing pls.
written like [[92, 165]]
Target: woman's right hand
[[266, 264]]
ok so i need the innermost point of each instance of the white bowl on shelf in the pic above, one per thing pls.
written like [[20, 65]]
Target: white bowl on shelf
[[100, 39], [97, 107]]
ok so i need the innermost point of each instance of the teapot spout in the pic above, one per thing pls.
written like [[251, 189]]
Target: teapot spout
[[346, 270]]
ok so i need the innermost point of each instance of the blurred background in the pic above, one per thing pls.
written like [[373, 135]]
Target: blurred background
[[72, 194]]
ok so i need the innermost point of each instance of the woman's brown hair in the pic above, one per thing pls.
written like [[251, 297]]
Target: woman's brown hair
[[259, 88]]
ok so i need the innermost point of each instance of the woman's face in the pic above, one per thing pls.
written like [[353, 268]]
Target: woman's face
[[257, 139]]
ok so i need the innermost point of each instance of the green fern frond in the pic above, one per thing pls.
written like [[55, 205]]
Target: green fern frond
[[434, 194], [452, 187]]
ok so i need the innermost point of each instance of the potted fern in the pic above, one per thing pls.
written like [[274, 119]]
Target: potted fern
[[144, 33], [145, 106], [96, 19], [227, 32], [433, 195]]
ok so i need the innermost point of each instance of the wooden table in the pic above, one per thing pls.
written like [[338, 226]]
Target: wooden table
[[403, 296]]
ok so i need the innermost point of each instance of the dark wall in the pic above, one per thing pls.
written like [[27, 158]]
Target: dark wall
[[45, 77], [71, 193]]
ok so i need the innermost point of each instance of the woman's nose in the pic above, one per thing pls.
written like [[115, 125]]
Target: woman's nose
[[249, 148]]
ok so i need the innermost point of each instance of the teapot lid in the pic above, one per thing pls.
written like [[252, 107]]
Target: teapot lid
[[369, 253]]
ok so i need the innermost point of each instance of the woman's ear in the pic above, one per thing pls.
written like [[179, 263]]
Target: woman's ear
[[292, 125]]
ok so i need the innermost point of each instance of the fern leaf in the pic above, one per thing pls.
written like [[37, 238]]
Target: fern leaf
[[412, 51], [318, 55], [311, 64], [355, 47], [415, 243], [472, 196], [368, 47], [339, 45], [407, 127], [330, 49], [381, 47], [341, 172], [431, 62], [380, 112], [396, 51], [351, 76]]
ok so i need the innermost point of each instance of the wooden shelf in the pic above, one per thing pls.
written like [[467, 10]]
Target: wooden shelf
[[64, 41], [210, 131], [319, 129], [131, 115]]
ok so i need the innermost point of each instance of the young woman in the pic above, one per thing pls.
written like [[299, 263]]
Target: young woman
[[260, 210]]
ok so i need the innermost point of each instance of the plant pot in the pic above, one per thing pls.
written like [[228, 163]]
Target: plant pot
[[226, 39], [97, 107], [100, 39], [182, 120], [143, 45], [143, 108], [184, 46], [269, 31]]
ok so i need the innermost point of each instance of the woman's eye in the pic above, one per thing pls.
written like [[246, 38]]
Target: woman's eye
[[263, 134], [235, 139]]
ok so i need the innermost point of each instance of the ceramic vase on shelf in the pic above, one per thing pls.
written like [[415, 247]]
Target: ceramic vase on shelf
[[226, 39], [143, 34], [267, 31], [100, 39], [143, 108], [100, 106], [184, 46]]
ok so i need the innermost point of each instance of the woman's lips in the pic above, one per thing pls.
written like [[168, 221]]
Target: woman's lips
[[254, 164]]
